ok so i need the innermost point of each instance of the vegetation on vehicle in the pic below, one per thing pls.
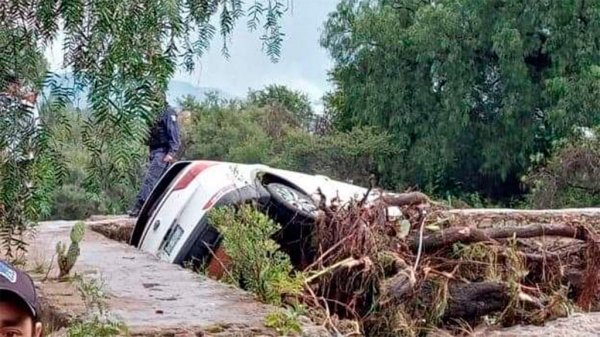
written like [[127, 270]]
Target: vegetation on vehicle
[[395, 281], [426, 271]]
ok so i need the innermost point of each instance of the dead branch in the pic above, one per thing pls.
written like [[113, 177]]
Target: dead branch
[[448, 237], [535, 230], [553, 256], [406, 199]]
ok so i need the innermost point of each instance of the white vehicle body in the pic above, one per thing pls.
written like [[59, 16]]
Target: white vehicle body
[[173, 219]]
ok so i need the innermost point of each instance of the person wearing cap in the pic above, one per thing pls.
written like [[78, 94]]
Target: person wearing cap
[[19, 306]]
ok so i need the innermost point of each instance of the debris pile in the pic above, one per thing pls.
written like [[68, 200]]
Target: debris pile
[[449, 268]]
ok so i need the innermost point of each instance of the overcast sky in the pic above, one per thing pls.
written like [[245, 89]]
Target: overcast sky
[[303, 65]]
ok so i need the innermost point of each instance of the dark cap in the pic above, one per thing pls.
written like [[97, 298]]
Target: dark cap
[[18, 283]]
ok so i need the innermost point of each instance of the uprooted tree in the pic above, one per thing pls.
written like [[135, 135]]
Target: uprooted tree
[[450, 267]]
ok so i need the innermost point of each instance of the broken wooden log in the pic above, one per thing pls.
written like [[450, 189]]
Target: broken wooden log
[[447, 237], [500, 217], [474, 300], [465, 301]]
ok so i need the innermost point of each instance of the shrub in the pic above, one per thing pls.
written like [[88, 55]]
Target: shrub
[[73, 202], [97, 321], [257, 264], [350, 156], [570, 176]]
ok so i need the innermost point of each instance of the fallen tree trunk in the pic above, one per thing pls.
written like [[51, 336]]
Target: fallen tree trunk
[[465, 301], [499, 217], [449, 236], [473, 300]]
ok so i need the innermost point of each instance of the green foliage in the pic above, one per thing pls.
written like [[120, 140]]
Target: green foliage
[[257, 264], [96, 327], [348, 156], [295, 103], [98, 184], [467, 89], [284, 322], [67, 258], [29, 168], [227, 132], [569, 176], [249, 132], [124, 52], [97, 322], [19, 55], [72, 202]]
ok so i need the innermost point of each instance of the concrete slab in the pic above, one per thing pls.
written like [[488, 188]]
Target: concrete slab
[[152, 297]]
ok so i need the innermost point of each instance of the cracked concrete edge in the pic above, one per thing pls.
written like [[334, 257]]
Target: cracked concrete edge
[[57, 318]]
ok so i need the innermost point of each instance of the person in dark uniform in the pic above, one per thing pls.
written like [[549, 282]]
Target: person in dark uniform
[[163, 143]]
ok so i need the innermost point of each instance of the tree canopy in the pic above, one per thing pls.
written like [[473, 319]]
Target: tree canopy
[[468, 89], [279, 96], [124, 53]]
